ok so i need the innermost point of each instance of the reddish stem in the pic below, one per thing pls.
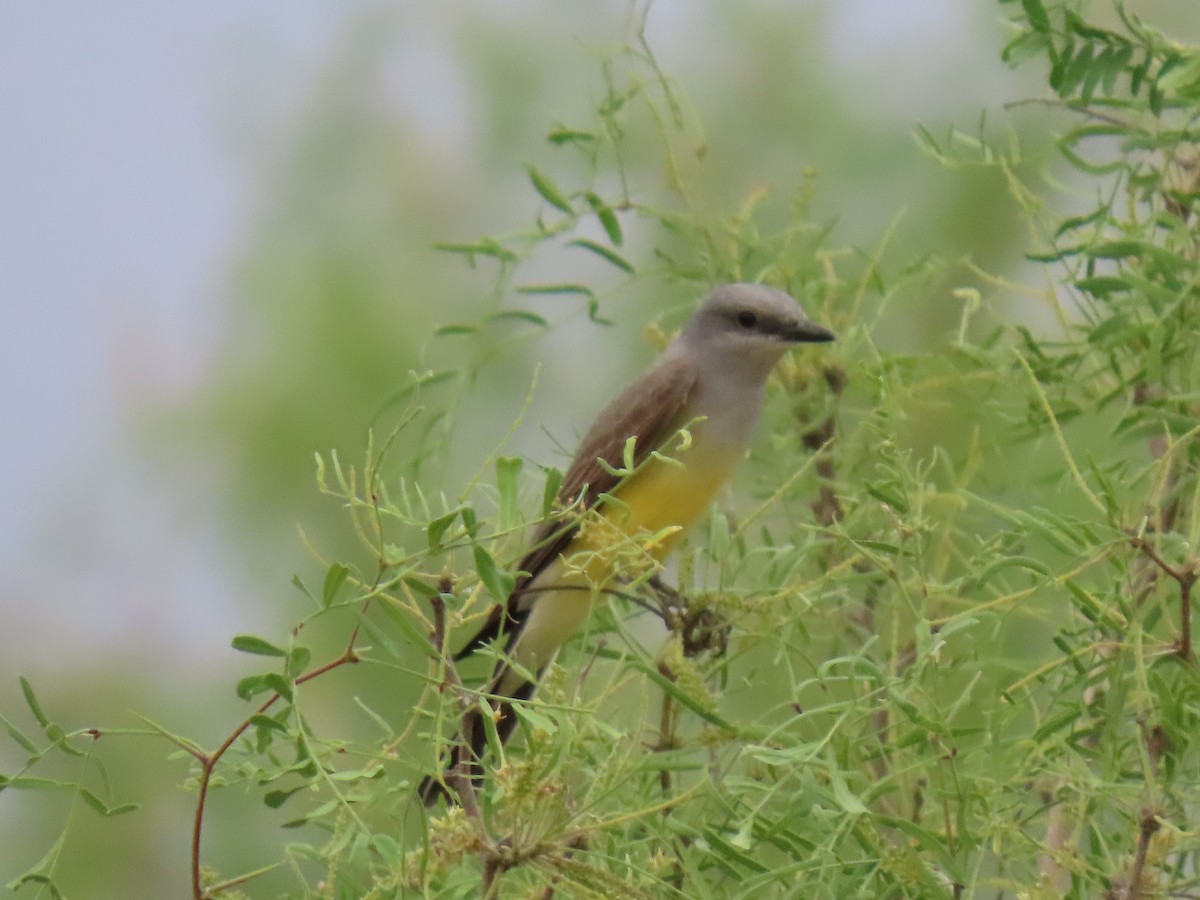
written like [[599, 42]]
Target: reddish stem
[[1185, 576], [209, 762]]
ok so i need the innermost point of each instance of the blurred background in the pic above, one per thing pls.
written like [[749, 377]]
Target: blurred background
[[217, 229]]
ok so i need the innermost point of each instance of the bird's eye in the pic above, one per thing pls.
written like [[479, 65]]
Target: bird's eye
[[747, 319]]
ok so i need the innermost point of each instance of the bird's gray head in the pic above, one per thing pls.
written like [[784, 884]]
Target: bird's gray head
[[751, 325]]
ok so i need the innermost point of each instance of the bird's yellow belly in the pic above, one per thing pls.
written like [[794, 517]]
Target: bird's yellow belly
[[636, 528], [666, 495], [627, 538]]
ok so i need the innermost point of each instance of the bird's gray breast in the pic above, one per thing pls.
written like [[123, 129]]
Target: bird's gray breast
[[730, 409]]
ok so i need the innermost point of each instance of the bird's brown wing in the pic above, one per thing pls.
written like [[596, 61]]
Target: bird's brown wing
[[647, 410]]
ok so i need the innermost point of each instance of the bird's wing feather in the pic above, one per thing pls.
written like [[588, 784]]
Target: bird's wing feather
[[648, 410]]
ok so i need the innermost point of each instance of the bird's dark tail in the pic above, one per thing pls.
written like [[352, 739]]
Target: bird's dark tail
[[466, 752], [434, 787]]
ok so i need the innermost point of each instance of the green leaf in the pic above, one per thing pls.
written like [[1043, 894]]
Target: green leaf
[[276, 799], [16, 734], [436, 529], [531, 718], [1156, 98], [1077, 25], [297, 661], [629, 453], [520, 315], [1117, 62], [1159, 296], [498, 582], [334, 578], [378, 636], [845, 798], [32, 702], [470, 521], [608, 218], [1064, 719], [604, 253], [548, 190], [1101, 285], [280, 685], [249, 643], [563, 288], [253, 685], [270, 723], [1059, 68], [1183, 78], [101, 807], [732, 854], [1117, 249], [1074, 74], [560, 135], [1035, 12], [554, 482], [1075, 223], [887, 497], [55, 733], [319, 812], [369, 773], [485, 247], [455, 330], [1008, 562], [299, 583], [508, 471], [1094, 610], [1115, 325], [389, 849], [1026, 46]]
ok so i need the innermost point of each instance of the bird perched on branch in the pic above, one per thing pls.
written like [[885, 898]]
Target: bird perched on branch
[[647, 469]]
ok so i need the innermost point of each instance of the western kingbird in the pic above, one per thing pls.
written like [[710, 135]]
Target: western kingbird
[[690, 418]]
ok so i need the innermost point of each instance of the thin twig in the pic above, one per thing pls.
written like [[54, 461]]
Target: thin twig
[[666, 737], [1150, 824], [208, 762], [1185, 576], [458, 778]]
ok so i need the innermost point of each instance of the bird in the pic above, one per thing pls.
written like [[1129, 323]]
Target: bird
[[646, 470]]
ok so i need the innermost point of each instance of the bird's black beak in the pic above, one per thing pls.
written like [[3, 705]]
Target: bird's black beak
[[806, 332]]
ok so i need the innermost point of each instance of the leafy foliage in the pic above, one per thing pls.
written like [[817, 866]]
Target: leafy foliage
[[942, 644]]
